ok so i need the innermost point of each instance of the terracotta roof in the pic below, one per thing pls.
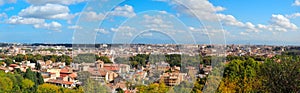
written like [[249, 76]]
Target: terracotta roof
[[13, 65], [127, 91], [65, 70], [3, 68], [63, 75], [121, 85], [73, 75], [97, 72], [111, 68]]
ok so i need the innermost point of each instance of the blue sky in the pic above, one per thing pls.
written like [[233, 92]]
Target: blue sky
[[205, 21]]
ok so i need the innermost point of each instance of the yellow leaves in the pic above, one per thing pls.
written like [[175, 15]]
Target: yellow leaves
[[227, 86], [6, 84], [244, 85], [153, 88], [48, 88], [27, 84]]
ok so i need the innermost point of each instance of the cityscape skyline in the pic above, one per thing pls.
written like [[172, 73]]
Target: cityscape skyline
[[244, 22], [149, 46]]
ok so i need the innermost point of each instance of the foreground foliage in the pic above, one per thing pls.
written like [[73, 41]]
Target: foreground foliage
[[29, 82], [250, 75]]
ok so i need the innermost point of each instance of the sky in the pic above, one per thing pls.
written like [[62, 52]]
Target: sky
[[271, 22]]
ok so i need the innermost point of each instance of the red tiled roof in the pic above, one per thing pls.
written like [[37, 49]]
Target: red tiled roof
[[73, 75], [63, 75], [65, 70], [111, 68], [13, 65], [2, 68], [126, 91]]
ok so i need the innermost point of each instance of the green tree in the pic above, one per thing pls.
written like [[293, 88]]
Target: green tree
[[105, 59], [120, 90], [88, 58], [38, 57], [19, 58], [37, 66], [30, 75], [68, 61], [92, 86], [39, 77], [281, 76], [36, 77], [8, 61], [120, 60]]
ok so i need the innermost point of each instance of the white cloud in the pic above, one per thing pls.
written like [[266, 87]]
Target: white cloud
[[244, 33], [207, 11], [194, 29], [114, 29], [153, 19], [230, 20], [11, 1], [92, 16], [147, 34], [2, 2], [123, 28], [48, 11], [103, 31], [296, 3], [55, 26], [202, 8], [65, 2], [294, 15], [163, 12], [9, 8], [277, 23], [156, 22], [37, 23], [74, 27], [89, 8], [280, 21], [264, 27], [202, 31], [125, 11], [3, 16], [21, 20]]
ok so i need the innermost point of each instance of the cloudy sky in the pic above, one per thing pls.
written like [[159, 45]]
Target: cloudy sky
[[151, 21]]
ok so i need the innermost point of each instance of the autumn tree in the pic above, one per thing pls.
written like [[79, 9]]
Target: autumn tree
[[242, 76], [6, 84], [27, 85], [48, 88]]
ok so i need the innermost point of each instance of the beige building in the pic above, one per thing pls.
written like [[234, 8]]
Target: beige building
[[173, 79]]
